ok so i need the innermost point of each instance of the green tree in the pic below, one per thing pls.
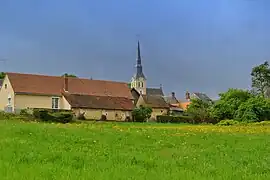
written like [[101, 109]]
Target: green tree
[[2, 75], [199, 110], [229, 102], [261, 77], [141, 114], [254, 109], [69, 75]]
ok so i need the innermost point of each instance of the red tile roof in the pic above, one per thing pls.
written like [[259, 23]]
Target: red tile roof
[[53, 85], [99, 102]]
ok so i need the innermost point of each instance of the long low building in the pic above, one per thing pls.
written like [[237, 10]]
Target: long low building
[[94, 98]]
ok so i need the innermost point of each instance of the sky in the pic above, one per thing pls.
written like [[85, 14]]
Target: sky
[[196, 45]]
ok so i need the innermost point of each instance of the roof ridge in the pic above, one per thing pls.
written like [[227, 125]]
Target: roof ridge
[[44, 75]]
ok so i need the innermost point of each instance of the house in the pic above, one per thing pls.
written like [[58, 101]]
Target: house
[[201, 96], [185, 103], [175, 108], [154, 99], [92, 97], [157, 103]]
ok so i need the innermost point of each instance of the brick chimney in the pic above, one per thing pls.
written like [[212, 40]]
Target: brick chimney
[[187, 96], [173, 94], [65, 83]]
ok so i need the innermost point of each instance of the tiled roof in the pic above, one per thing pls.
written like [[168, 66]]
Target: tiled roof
[[53, 85], [154, 91], [99, 102], [155, 101], [184, 105]]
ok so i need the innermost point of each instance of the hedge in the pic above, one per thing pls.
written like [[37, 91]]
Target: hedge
[[174, 119], [49, 116]]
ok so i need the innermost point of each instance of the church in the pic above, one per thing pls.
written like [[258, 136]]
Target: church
[[151, 97]]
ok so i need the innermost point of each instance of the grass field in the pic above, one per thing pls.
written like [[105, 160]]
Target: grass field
[[109, 151]]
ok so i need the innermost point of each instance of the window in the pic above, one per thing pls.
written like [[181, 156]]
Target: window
[[142, 84], [55, 103], [9, 101], [5, 86]]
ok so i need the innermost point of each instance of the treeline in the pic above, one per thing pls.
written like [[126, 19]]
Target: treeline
[[237, 104]]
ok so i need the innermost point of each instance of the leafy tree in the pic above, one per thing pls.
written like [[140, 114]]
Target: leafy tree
[[229, 102], [254, 109], [141, 114], [2, 75], [199, 110], [261, 77], [69, 75]]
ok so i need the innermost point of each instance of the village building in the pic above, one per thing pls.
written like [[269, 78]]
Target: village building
[[175, 108], [144, 96], [94, 98]]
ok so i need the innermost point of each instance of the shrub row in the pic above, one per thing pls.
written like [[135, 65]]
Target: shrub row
[[6, 116], [50, 116], [174, 119]]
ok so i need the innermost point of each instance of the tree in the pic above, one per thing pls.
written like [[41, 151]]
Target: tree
[[229, 102], [2, 75], [69, 75], [254, 109], [141, 114], [199, 110], [261, 77]]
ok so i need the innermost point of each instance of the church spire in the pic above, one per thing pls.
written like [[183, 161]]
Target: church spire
[[139, 60], [139, 72]]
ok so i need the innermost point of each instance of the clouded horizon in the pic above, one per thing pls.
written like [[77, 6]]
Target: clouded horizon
[[206, 46]]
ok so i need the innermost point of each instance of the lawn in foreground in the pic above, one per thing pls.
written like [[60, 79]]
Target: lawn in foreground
[[132, 151]]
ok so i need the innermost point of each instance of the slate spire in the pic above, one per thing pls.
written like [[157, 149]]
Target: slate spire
[[139, 72]]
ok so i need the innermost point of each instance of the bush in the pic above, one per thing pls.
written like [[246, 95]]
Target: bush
[[6, 116], [174, 119], [199, 110], [228, 104], [141, 114], [227, 122], [46, 116], [255, 109]]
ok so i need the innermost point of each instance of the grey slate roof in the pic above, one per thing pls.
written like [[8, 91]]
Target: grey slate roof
[[203, 97], [171, 100], [155, 101], [154, 91]]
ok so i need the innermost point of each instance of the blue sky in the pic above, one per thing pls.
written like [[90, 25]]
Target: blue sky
[[195, 45]]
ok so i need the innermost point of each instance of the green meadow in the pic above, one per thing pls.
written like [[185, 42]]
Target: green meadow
[[112, 151]]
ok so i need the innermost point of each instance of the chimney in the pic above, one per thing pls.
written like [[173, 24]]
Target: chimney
[[187, 96], [173, 94], [65, 83]]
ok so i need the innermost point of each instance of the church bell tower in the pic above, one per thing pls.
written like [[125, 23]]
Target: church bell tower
[[138, 80]]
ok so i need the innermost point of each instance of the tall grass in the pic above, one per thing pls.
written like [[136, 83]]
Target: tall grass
[[109, 151]]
